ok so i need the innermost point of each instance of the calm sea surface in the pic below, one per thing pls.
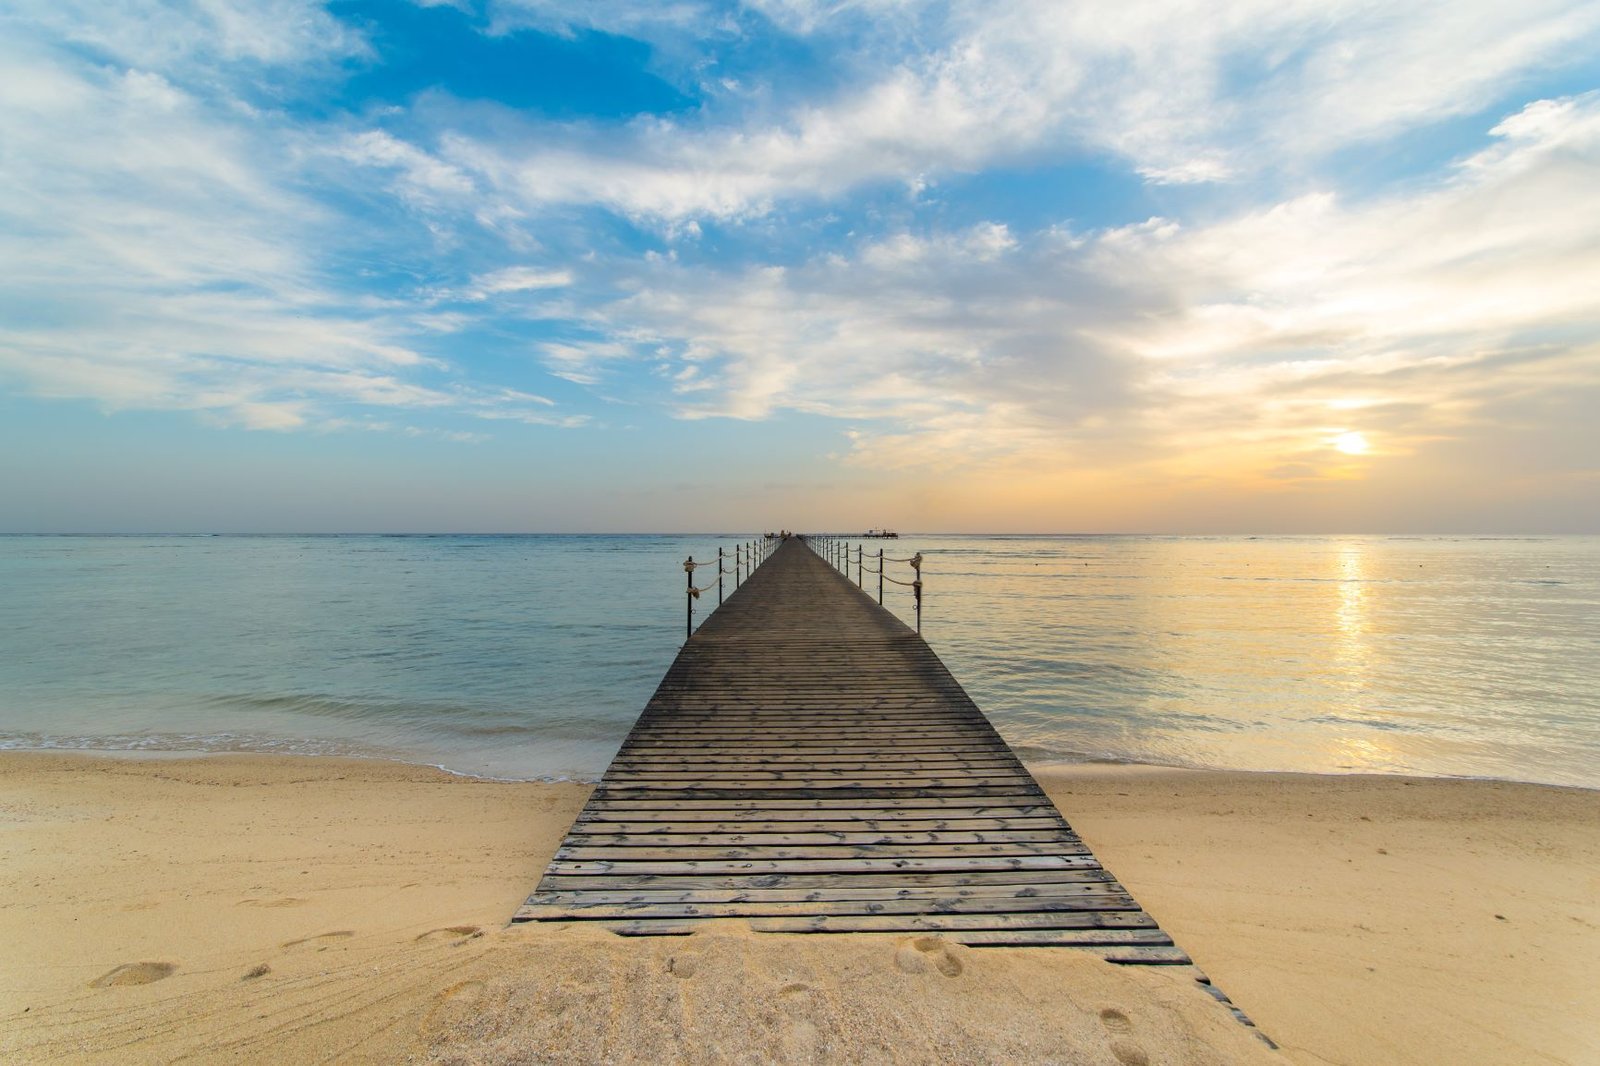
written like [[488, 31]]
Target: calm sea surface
[[529, 656]]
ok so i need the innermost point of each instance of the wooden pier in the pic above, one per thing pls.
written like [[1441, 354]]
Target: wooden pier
[[810, 766]]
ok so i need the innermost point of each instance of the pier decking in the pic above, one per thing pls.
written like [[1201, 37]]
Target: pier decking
[[809, 765]]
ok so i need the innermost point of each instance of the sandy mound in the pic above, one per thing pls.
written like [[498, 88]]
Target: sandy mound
[[730, 996]]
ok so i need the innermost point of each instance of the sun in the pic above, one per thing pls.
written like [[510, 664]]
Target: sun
[[1351, 443]]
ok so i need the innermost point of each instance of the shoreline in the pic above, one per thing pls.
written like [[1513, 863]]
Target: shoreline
[[1040, 768], [1355, 918]]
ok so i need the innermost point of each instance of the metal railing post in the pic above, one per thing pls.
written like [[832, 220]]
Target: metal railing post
[[880, 577], [916, 588], [688, 598], [719, 575], [738, 562], [859, 549]]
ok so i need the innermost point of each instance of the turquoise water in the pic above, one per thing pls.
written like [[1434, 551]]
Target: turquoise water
[[529, 656]]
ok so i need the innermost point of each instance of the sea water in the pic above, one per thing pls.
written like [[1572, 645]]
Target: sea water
[[530, 656]]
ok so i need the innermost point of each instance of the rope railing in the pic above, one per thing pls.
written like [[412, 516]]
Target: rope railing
[[845, 556], [746, 556]]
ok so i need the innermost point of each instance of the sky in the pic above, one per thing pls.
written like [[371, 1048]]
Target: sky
[[1265, 266]]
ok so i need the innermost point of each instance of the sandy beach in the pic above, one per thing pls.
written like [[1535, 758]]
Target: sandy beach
[[256, 909]]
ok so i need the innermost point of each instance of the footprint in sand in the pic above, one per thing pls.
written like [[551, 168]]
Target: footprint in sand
[[1116, 1021], [1126, 1052], [281, 901], [135, 973], [916, 956], [464, 992], [456, 934], [322, 941], [1129, 1054]]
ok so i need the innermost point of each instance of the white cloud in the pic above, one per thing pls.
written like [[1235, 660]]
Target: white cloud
[[158, 249], [205, 39], [420, 178], [518, 279], [1183, 96], [1432, 306]]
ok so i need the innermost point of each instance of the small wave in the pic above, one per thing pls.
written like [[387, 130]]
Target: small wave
[[181, 745]]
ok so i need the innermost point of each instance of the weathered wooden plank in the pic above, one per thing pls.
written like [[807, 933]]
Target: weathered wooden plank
[[908, 919], [801, 748], [834, 730], [673, 835], [857, 771], [810, 779], [559, 907], [567, 881], [703, 834], [658, 851], [854, 864], [1136, 954], [1012, 790], [886, 824], [934, 897], [718, 759], [931, 923], [802, 809]]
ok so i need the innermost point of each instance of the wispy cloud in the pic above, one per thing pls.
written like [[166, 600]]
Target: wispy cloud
[[1250, 87], [165, 254], [1252, 340]]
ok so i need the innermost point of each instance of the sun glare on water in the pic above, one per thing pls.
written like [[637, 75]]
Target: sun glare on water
[[1351, 443]]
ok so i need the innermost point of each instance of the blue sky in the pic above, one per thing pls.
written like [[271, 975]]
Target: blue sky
[[523, 265]]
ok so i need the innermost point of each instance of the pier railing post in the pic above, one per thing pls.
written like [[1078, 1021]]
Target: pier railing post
[[688, 598], [916, 588], [719, 575], [738, 562], [859, 549], [880, 577]]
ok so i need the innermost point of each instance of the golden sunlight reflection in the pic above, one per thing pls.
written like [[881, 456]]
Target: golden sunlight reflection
[[1370, 754], [1351, 443], [1350, 613], [1324, 654]]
